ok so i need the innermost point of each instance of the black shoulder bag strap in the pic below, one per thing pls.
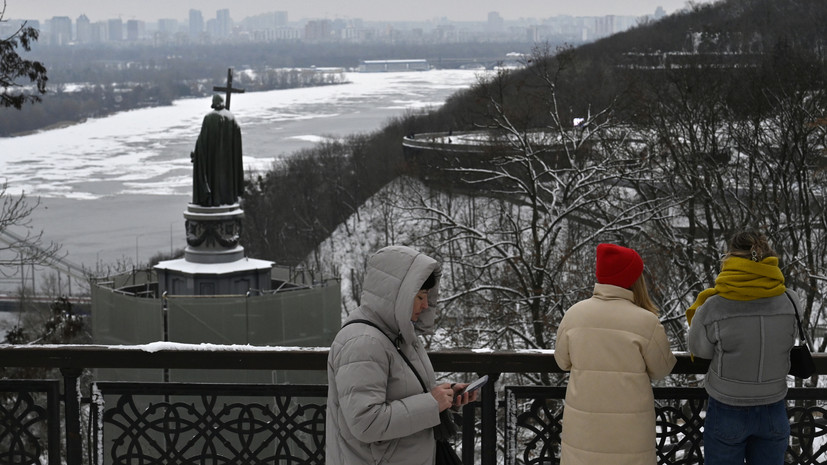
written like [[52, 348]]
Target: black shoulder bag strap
[[447, 428], [801, 333], [395, 343]]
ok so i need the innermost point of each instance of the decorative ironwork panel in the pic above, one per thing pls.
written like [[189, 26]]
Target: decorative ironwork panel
[[808, 426], [197, 428], [534, 422], [679, 414], [537, 430], [29, 430]]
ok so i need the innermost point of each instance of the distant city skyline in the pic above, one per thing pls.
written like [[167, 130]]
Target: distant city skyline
[[369, 10]]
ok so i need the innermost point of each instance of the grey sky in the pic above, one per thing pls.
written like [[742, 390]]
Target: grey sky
[[373, 10]]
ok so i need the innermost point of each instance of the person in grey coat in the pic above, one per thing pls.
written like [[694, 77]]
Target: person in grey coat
[[377, 410], [746, 326]]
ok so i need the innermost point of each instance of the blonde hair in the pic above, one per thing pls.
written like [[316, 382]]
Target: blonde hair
[[640, 296]]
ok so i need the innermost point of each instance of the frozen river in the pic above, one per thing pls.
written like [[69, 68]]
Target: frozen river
[[115, 188]]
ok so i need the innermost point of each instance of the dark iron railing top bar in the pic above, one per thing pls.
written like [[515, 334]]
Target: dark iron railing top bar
[[222, 357], [289, 407]]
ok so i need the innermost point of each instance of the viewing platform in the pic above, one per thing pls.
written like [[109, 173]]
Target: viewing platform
[[157, 422]]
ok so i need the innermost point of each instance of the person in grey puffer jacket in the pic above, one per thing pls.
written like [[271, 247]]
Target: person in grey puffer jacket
[[377, 410], [746, 326]]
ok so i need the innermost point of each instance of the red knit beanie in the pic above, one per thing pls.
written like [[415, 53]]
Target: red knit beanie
[[618, 265]]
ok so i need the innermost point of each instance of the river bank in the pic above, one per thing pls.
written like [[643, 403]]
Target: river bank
[[113, 190]]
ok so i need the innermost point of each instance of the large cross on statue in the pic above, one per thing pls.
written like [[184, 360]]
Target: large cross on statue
[[229, 89]]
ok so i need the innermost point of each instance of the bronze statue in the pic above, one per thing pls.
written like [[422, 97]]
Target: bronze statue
[[218, 173]]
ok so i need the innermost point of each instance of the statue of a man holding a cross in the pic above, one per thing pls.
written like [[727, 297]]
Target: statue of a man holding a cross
[[218, 173]]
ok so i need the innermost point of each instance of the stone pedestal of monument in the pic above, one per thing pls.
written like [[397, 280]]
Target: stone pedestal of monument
[[212, 290], [214, 262]]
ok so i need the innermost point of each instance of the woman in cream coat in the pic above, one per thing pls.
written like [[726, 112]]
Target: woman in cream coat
[[614, 345]]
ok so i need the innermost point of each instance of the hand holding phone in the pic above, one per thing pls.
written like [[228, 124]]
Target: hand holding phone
[[480, 382]]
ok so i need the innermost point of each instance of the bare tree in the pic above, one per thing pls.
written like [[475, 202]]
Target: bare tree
[[743, 149], [21, 246], [13, 67], [521, 255], [691, 154], [787, 167]]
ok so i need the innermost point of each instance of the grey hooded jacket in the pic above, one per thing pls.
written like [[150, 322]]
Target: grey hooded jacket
[[377, 411], [749, 344]]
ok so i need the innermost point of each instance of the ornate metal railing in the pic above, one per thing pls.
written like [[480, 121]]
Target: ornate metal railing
[[533, 438], [25, 417], [189, 423], [143, 423]]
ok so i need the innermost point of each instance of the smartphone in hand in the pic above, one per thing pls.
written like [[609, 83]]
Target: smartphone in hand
[[480, 382]]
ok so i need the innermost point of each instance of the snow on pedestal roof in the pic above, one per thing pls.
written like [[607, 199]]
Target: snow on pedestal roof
[[245, 264]]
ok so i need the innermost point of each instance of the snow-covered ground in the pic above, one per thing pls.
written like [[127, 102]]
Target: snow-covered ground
[[7, 321]]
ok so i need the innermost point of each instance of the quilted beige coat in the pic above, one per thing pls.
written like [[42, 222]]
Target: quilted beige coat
[[614, 349]]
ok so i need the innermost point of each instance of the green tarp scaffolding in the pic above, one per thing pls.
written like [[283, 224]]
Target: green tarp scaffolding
[[303, 317]]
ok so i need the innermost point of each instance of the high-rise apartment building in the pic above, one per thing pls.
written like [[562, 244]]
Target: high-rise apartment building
[[211, 27], [100, 32], [496, 23], [60, 30], [83, 30], [224, 23], [135, 30], [274, 26], [168, 27], [319, 29], [196, 25], [604, 26], [115, 27], [265, 21], [10, 27]]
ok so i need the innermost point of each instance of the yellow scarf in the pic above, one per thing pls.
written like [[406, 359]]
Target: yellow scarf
[[743, 279]]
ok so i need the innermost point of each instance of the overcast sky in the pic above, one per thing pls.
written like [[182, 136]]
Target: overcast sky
[[372, 10]]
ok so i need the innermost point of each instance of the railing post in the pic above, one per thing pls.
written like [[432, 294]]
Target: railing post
[[510, 426], [53, 407], [71, 409], [469, 415], [489, 420]]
